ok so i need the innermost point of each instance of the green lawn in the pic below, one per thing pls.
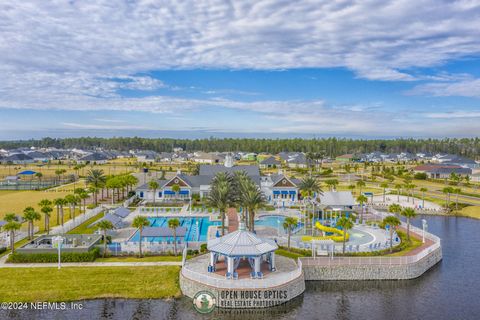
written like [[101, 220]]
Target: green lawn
[[67, 284], [471, 212], [136, 259], [84, 229]]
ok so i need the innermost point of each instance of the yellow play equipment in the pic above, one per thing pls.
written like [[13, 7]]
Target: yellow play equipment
[[336, 238]]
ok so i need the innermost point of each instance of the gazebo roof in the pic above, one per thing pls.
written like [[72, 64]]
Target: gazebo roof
[[241, 243]]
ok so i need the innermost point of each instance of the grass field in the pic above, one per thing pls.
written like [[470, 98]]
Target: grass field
[[78, 283], [84, 227], [16, 201], [471, 212]]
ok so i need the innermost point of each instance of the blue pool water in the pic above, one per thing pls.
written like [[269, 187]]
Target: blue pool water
[[197, 228], [270, 221]]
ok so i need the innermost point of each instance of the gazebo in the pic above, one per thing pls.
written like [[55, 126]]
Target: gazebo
[[240, 245]]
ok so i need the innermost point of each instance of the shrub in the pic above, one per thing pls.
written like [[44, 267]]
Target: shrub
[[420, 176], [89, 256], [203, 247], [2, 249]]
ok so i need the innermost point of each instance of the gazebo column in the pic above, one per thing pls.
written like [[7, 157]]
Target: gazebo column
[[272, 261], [230, 265], [212, 261], [257, 264]]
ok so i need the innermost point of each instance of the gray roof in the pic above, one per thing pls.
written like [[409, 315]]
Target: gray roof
[[337, 198], [122, 212], [241, 243], [270, 161], [163, 232], [115, 220], [212, 170], [94, 157], [18, 157]]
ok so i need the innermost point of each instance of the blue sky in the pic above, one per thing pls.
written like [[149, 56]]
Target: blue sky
[[257, 69]]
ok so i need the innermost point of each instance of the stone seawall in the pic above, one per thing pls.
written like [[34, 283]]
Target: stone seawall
[[372, 271], [246, 297]]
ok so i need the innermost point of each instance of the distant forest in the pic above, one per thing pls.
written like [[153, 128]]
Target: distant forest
[[468, 147]]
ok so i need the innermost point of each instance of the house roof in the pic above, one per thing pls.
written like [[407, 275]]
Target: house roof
[[212, 170], [270, 161], [337, 198], [122, 212], [115, 220], [241, 243], [18, 157], [94, 157]]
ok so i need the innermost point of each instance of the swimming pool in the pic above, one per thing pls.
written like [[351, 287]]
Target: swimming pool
[[197, 228], [275, 221]]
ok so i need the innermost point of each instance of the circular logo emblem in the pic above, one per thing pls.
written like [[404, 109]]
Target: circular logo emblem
[[176, 180], [204, 301], [284, 181]]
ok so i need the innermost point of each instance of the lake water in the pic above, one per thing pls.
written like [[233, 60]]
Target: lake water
[[450, 290]]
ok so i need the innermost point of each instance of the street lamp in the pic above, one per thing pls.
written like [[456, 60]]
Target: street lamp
[[424, 228], [58, 242]]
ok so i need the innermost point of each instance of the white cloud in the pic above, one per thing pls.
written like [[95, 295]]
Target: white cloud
[[377, 39], [469, 87], [453, 114]]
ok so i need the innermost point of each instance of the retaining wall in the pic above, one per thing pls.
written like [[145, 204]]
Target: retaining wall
[[248, 297], [373, 271]]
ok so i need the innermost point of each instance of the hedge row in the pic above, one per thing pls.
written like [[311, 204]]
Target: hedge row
[[2, 249], [89, 256]]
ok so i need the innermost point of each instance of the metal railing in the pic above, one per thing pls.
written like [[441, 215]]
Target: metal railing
[[404, 260], [271, 280], [72, 224]]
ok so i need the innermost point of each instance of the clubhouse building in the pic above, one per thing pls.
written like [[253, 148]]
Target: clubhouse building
[[278, 188]]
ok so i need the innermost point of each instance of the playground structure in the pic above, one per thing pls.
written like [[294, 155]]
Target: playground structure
[[337, 234]]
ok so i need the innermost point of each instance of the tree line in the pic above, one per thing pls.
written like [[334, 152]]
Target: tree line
[[469, 147]]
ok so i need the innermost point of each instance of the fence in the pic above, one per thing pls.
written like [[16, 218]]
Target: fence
[[32, 184], [19, 236], [273, 279], [73, 223], [130, 247]]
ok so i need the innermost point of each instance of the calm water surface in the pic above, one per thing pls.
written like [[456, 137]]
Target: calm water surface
[[451, 290]]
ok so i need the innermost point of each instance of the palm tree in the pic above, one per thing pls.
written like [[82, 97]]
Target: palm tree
[[289, 224], [46, 208], [346, 224], [176, 189], [72, 201], [253, 199], [360, 185], [457, 191], [12, 226], [331, 183], [104, 226], [221, 194], [174, 224], [399, 189], [39, 176], [361, 199], [408, 213], [140, 222], [395, 208], [309, 187], [352, 188], [447, 191], [96, 179], [423, 190], [59, 203], [393, 222], [30, 215], [384, 185], [82, 195], [153, 185]]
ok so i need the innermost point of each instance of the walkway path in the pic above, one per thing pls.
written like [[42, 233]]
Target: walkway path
[[232, 219]]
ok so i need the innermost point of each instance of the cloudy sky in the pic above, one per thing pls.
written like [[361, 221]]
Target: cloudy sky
[[239, 68]]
